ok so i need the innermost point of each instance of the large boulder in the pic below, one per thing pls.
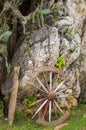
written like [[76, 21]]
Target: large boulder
[[47, 43]]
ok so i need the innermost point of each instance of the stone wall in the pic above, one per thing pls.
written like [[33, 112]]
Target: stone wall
[[64, 37]]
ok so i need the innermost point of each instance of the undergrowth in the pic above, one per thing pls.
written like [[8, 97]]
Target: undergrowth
[[76, 121]]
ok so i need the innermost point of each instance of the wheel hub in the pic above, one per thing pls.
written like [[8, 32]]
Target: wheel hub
[[51, 95]]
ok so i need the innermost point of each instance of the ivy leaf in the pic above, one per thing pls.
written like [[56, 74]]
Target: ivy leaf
[[4, 37], [46, 11]]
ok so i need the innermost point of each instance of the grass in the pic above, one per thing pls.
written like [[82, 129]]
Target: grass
[[76, 121]]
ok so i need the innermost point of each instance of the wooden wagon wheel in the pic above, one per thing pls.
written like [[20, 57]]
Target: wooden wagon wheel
[[50, 92]]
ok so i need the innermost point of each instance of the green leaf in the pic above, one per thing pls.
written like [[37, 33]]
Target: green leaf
[[60, 62], [30, 100], [27, 48], [58, 8], [5, 36], [46, 11]]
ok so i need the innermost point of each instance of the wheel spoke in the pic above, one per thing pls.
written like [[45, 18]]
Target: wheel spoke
[[55, 81], [50, 105], [40, 108], [50, 80], [45, 78], [59, 86], [58, 107], [62, 96], [55, 109], [41, 89], [36, 87], [45, 110], [42, 84], [63, 90], [37, 102]]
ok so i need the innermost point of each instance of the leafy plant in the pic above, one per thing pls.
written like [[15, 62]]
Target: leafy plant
[[72, 50], [27, 36], [4, 37], [58, 8], [81, 57], [3, 50], [1, 105], [56, 13], [27, 48], [60, 80], [30, 100], [19, 114], [9, 69], [56, 16], [46, 11], [60, 62], [69, 33], [17, 2]]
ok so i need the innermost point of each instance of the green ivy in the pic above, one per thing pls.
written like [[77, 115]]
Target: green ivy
[[60, 62]]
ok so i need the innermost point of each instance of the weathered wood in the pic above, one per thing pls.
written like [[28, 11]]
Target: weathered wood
[[13, 96], [59, 121]]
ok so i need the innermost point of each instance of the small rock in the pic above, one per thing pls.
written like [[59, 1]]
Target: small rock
[[72, 102], [69, 91]]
